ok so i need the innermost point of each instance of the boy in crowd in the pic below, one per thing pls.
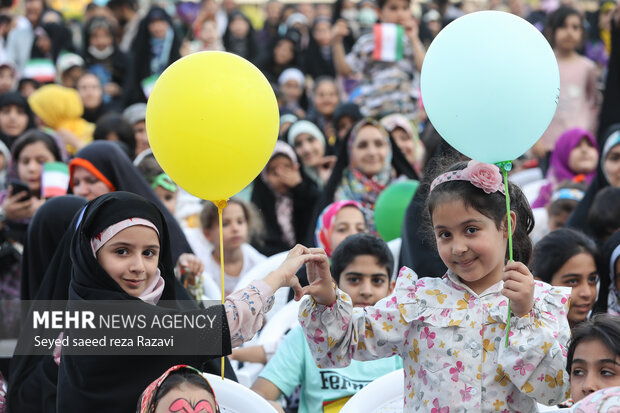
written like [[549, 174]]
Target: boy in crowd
[[361, 266]]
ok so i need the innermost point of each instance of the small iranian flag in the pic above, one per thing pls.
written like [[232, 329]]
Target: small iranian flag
[[55, 179], [41, 70], [148, 84], [388, 42]]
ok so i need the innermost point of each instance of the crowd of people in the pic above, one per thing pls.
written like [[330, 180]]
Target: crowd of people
[[87, 213]]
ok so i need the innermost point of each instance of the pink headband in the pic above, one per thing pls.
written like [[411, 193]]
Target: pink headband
[[482, 175], [104, 236]]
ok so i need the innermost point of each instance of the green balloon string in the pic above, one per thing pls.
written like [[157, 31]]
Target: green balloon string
[[505, 167]]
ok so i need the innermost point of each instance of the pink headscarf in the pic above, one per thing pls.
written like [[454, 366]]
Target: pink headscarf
[[323, 231]]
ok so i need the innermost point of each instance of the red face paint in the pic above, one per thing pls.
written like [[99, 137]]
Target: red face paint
[[184, 406]]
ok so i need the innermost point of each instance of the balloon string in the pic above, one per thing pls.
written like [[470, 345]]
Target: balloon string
[[505, 167], [220, 207]]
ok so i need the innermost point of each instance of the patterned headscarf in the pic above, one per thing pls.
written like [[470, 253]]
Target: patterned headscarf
[[323, 231], [603, 401], [149, 395]]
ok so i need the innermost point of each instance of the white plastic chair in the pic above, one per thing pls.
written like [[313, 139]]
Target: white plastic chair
[[382, 395], [394, 246], [234, 398]]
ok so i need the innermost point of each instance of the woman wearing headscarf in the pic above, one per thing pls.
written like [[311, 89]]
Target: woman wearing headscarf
[[285, 197], [16, 117], [407, 140], [103, 57], [155, 47], [337, 221], [309, 144], [44, 234], [608, 173], [103, 167], [574, 158], [365, 167], [325, 100], [609, 271], [60, 109], [45, 274], [240, 37], [280, 55]]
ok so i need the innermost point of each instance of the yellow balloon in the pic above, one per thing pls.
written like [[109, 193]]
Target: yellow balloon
[[212, 122]]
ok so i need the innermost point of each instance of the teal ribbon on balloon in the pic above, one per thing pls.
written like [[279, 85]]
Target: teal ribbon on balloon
[[505, 167]]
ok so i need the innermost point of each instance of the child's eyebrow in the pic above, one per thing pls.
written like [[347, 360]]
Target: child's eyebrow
[[469, 221], [601, 361], [359, 274]]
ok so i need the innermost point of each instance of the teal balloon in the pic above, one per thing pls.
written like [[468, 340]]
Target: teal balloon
[[391, 206], [490, 85]]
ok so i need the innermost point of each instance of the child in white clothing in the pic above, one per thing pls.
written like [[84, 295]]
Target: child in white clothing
[[451, 331]]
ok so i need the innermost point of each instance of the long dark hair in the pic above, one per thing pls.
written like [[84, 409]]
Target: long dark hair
[[556, 248], [602, 327], [34, 136], [492, 206]]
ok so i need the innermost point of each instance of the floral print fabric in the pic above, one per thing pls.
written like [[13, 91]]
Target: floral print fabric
[[452, 343]]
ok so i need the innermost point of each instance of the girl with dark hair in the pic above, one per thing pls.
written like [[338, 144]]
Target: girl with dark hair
[[169, 392], [318, 56], [325, 100], [454, 328], [568, 258], [281, 55], [593, 359], [115, 128], [15, 117], [577, 106], [29, 153], [156, 46], [239, 37]]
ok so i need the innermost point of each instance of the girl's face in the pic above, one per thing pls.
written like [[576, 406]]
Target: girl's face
[[404, 143], [158, 28], [309, 149], [168, 198], [7, 79], [292, 91], [234, 228], [369, 151], [568, 37], [13, 120], [579, 272], [583, 158], [612, 166], [130, 258], [594, 367], [30, 164], [470, 244], [186, 398], [283, 53], [322, 33], [348, 221], [208, 34], [87, 185], [101, 38], [89, 88], [326, 98], [239, 27]]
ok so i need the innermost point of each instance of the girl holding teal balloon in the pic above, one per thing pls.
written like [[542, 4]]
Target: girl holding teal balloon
[[450, 331]]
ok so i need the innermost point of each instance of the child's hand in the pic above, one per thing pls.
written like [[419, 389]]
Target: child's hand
[[191, 266], [519, 288], [290, 177], [285, 274], [340, 30], [325, 167], [320, 279], [411, 28]]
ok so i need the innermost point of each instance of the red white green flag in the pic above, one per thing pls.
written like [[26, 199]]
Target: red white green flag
[[388, 42]]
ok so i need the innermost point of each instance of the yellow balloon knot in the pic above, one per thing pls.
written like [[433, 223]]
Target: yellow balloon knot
[[221, 204]]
